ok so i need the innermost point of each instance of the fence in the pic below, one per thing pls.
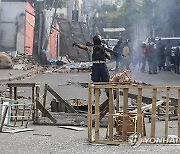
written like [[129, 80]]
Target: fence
[[154, 129], [14, 113]]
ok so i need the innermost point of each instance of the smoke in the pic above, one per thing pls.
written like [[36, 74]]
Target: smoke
[[157, 18]]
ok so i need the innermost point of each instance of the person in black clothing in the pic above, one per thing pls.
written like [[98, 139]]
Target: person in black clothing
[[168, 56], [161, 55], [100, 71], [152, 57], [118, 54], [143, 56], [177, 60]]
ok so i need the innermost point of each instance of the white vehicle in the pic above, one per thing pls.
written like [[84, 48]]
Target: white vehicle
[[174, 42], [110, 42]]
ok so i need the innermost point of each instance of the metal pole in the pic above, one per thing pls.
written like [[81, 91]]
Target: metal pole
[[37, 29], [0, 11], [153, 14]]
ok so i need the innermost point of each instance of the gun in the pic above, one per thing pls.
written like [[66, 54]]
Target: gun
[[84, 47], [100, 46]]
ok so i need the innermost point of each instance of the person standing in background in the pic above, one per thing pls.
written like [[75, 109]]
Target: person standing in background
[[126, 56], [118, 54]]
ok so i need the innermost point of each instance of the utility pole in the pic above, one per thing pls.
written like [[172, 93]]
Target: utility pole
[[0, 10], [153, 15], [0, 4], [75, 12], [37, 29]]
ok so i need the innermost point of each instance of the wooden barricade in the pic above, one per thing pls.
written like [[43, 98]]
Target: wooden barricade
[[35, 95], [94, 132], [14, 114]]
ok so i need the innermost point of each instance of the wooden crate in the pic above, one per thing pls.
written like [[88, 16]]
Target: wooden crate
[[131, 124]]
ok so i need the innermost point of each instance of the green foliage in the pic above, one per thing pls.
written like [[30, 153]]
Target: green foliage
[[51, 3], [108, 8], [142, 14], [55, 3]]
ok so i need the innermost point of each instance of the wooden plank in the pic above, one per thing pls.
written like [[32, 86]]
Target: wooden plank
[[18, 130], [179, 113], [117, 99], [107, 85], [97, 115], [111, 114], [90, 115], [167, 113], [149, 106], [117, 142], [10, 92], [104, 104], [44, 111], [73, 128], [29, 114], [145, 99], [23, 115], [37, 111], [125, 114], [139, 111], [105, 109], [45, 95], [16, 107], [33, 106], [153, 116], [3, 117], [66, 104], [22, 84]]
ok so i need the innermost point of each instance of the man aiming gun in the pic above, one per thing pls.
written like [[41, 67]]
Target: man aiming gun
[[100, 72]]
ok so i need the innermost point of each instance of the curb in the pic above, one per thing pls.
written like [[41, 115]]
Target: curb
[[23, 76]]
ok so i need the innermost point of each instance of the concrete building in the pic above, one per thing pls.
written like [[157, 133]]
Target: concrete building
[[16, 27], [74, 10]]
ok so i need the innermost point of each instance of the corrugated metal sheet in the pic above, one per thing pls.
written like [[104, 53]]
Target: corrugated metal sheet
[[73, 32], [29, 29], [53, 45]]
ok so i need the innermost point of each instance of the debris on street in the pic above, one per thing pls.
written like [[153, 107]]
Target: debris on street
[[73, 128]]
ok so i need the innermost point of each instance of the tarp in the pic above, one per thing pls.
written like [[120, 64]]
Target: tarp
[[114, 29], [73, 32]]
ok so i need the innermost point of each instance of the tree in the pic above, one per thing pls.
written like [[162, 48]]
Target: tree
[[51, 3], [55, 3], [108, 8]]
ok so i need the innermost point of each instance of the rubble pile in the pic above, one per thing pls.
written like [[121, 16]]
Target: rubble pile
[[27, 62], [5, 61]]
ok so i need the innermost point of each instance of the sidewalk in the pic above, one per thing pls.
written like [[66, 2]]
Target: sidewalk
[[14, 74]]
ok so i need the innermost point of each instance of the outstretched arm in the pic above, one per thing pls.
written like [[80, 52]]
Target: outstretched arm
[[83, 47]]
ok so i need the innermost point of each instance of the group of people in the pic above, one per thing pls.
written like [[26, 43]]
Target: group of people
[[158, 56], [122, 55], [154, 53]]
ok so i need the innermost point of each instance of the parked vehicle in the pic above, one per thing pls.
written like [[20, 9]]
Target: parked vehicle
[[110, 42], [174, 43]]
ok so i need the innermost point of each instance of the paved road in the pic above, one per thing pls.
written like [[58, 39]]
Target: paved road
[[62, 141]]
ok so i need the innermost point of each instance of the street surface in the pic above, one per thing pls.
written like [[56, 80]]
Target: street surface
[[54, 140]]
